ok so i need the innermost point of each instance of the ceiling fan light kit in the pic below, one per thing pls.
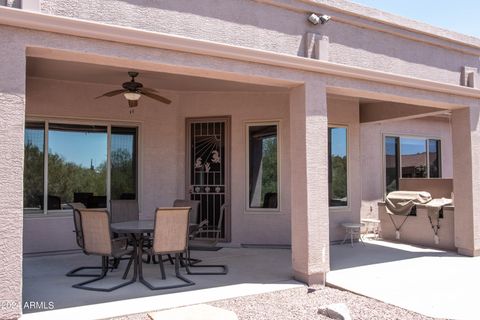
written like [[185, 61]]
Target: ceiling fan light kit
[[132, 95], [132, 91]]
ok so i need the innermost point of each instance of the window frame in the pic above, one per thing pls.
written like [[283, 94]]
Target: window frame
[[248, 209], [426, 138], [349, 205], [88, 122]]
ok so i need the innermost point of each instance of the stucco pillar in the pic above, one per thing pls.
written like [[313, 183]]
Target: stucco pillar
[[309, 182], [466, 179], [12, 118]]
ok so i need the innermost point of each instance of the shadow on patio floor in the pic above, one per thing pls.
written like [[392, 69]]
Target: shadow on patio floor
[[44, 276]]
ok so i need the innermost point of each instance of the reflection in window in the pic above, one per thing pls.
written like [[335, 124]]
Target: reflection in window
[[263, 166], [414, 157], [391, 163], [77, 171], [419, 158], [337, 167], [123, 163], [434, 158], [33, 168]]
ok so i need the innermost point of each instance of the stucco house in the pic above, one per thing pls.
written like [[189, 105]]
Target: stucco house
[[297, 126]]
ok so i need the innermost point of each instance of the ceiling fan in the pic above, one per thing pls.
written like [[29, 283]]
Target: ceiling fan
[[133, 90]]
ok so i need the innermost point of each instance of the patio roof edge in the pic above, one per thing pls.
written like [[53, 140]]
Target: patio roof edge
[[126, 35]]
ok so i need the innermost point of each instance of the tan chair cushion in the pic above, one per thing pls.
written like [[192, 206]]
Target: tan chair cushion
[[171, 229], [96, 231]]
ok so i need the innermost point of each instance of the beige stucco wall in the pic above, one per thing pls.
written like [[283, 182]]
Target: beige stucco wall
[[162, 152], [466, 166], [12, 107], [372, 160], [268, 27]]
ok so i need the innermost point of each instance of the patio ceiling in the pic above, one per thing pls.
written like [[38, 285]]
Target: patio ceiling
[[102, 74]]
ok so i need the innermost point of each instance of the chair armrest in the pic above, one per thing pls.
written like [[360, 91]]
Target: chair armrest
[[207, 231]]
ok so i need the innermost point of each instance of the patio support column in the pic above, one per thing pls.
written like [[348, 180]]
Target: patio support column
[[466, 179], [12, 119], [309, 182]]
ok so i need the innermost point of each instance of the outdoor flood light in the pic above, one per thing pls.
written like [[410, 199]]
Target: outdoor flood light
[[316, 19]]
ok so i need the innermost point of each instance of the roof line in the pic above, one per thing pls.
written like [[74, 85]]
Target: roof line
[[365, 17], [126, 35]]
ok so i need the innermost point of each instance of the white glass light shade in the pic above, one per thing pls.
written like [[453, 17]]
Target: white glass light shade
[[132, 95]]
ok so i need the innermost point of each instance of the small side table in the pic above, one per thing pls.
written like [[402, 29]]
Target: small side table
[[373, 225], [352, 230]]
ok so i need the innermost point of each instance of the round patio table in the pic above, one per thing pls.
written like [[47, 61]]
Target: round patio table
[[137, 229], [353, 230], [133, 227]]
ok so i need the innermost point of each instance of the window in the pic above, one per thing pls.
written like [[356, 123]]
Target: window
[[123, 163], [33, 166], [391, 163], [262, 166], [77, 166], [434, 158], [337, 167], [411, 157]]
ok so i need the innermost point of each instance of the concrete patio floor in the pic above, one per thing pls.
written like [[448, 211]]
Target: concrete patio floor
[[251, 271], [432, 282], [435, 283]]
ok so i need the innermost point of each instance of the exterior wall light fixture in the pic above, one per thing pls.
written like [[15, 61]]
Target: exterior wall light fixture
[[315, 19]]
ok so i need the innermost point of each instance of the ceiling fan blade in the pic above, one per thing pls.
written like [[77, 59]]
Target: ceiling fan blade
[[132, 103], [156, 97], [112, 93], [148, 90]]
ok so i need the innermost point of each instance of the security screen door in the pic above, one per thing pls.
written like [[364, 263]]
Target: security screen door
[[208, 168]]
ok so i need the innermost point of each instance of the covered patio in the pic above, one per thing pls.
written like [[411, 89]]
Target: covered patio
[[245, 101]]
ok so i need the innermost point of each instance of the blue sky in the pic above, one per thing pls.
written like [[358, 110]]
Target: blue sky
[[80, 148], [339, 141], [459, 15]]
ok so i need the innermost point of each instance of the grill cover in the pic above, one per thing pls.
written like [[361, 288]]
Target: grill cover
[[402, 202]]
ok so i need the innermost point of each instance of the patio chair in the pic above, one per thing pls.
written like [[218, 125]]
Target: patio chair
[[83, 197], [193, 204], [97, 240], [121, 211], [206, 244], [79, 238], [53, 202], [193, 216], [124, 210], [170, 236]]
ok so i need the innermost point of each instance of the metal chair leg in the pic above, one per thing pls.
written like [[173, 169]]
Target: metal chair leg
[[187, 282], [83, 285], [346, 236], [162, 267], [189, 264], [127, 270], [73, 273]]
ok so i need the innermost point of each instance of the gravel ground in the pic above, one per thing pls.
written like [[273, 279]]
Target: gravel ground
[[298, 304]]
